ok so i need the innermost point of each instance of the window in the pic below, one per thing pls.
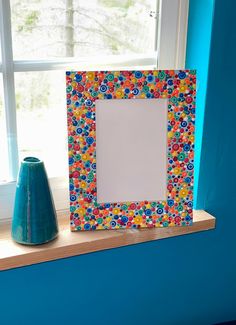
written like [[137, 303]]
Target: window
[[40, 40]]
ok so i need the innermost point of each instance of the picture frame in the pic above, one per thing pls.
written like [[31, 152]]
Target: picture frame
[[84, 90]]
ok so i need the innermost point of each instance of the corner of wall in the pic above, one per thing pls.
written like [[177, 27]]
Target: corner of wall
[[200, 21]]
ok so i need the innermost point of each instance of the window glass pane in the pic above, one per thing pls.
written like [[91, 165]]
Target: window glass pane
[[44, 29], [4, 170], [0, 51], [41, 118]]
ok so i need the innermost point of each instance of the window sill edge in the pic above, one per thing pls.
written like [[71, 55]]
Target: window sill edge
[[68, 244]]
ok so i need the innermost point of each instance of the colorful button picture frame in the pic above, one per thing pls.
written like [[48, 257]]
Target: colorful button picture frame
[[83, 89]]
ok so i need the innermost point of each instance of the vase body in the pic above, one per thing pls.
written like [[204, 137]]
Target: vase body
[[34, 218]]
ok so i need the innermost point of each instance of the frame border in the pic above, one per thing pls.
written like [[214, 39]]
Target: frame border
[[83, 89]]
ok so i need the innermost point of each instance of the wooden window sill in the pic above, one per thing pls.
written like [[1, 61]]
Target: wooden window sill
[[69, 243]]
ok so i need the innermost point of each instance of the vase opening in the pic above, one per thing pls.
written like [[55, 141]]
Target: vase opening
[[31, 160]]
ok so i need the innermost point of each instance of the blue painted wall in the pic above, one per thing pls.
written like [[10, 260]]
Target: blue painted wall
[[197, 57], [184, 280]]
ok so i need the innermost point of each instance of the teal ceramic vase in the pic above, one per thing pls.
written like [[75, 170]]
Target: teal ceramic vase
[[34, 218]]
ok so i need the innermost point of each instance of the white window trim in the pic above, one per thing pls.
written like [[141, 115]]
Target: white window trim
[[9, 87], [172, 34], [169, 54]]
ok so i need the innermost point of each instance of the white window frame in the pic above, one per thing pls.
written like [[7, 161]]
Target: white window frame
[[169, 54]]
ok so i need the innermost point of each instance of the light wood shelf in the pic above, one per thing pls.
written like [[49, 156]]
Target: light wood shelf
[[69, 243]]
